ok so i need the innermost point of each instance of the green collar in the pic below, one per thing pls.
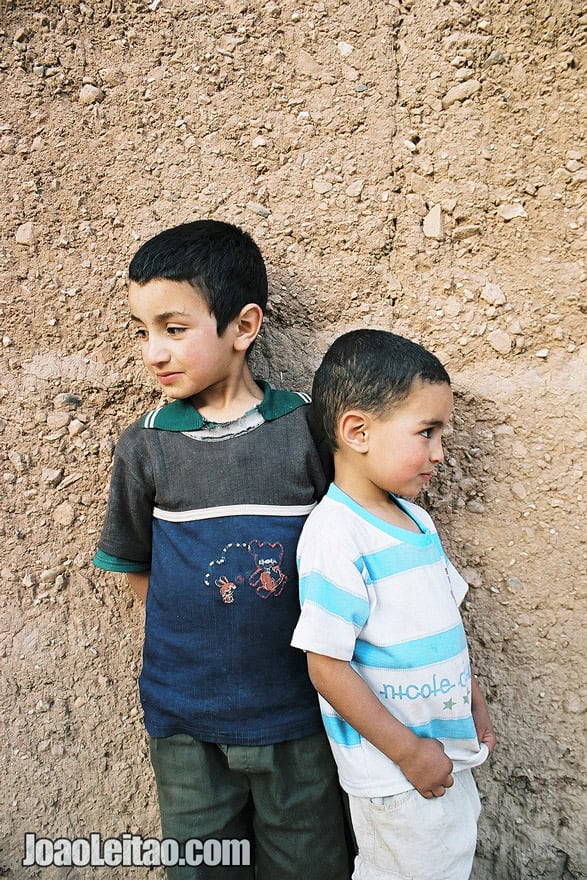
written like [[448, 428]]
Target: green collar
[[180, 415]]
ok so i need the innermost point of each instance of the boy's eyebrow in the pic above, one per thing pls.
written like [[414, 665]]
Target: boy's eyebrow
[[164, 316], [432, 423]]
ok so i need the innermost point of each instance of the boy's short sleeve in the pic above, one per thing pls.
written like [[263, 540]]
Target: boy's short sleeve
[[333, 594], [126, 533], [458, 584]]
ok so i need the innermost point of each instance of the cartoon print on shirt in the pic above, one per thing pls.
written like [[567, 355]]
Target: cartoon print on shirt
[[227, 588], [268, 578], [257, 562], [229, 571]]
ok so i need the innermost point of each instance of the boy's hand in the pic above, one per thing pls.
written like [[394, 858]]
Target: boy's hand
[[422, 761], [480, 712], [485, 731], [427, 767]]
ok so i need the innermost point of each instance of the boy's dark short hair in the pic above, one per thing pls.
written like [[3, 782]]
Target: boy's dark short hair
[[369, 370], [217, 258]]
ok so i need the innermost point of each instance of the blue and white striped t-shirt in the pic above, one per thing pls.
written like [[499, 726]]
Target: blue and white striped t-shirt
[[387, 600]]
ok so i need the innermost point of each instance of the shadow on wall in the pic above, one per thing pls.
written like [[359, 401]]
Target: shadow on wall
[[289, 348]]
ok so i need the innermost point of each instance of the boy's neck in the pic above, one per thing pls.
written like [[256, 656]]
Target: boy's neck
[[373, 498], [229, 400]]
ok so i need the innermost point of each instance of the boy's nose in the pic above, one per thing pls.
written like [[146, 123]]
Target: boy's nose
[[155, 351], [437, 452]]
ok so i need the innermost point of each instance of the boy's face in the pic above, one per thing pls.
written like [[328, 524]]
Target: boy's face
[[178, 337], [405, 447]]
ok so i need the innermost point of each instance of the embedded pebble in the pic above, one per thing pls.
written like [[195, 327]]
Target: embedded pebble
[[25, 234], [52, 476], [90, 94], [510, 212], [321, 186], [355, 188], [345, 49], [519, 491], [261, 210], [500, 341], [64, 514], [460, 233], [57, 420], [493, 294], [433, 225], [461, 92]]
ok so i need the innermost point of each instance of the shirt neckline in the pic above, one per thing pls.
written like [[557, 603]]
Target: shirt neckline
[[181, 415], [405, 535]]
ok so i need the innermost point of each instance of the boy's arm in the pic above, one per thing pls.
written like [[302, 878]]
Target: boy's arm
[[480, 713], [139, 581], [423, 761]]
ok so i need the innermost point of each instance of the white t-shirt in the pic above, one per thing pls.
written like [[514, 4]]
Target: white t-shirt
[[387, 600]]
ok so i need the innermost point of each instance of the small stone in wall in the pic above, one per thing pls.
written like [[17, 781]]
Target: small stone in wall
[[510, 212], [460, 92], [355, 188], [64, 400], [463, 74], [75, 427], [307, 65], [19, 463], [500, 341], [472, 576], [453, 307], [495, 57], [25, 234], [52, 476], [433, 224], [90, 95], [466, 231], [57, 420], [64, 514], [261, 210], [321, 186], [574, 703], [493, 294]]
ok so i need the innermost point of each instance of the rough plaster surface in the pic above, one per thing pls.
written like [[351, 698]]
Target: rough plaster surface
[[416, 166]]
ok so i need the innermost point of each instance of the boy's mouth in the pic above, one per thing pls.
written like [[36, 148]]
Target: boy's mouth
[[166, 378]]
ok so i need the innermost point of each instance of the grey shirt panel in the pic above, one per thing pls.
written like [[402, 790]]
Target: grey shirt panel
[[173, 471]]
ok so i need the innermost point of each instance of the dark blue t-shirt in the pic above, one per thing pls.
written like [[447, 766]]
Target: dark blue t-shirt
[[215, 514]]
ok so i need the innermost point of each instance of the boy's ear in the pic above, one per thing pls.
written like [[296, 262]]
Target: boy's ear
[[248, 324], [354, 430]]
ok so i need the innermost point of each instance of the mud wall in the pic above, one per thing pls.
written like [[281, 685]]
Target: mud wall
[[415, 166]]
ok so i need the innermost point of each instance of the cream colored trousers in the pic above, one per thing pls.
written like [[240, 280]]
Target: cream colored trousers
[[407, 837]]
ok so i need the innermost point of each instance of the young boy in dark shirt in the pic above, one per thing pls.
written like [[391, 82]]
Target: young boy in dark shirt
[[209, 494]]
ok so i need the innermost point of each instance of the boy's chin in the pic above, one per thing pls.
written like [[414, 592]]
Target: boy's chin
[[170, 394]]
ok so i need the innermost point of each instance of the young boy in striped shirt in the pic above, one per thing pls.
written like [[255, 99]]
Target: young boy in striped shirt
[[380, 618]]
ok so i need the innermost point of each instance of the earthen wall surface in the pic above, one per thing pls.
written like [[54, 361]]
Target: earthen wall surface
[[416, 166]]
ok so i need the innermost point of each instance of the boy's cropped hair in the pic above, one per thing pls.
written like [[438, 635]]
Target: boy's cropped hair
[[217, 258], [369, 370]]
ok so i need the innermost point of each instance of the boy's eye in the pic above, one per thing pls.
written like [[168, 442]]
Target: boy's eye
[[140, 333], [174, 331], [427, 432]]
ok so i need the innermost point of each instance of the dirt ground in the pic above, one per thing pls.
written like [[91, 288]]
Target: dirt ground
[[417, 166]]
